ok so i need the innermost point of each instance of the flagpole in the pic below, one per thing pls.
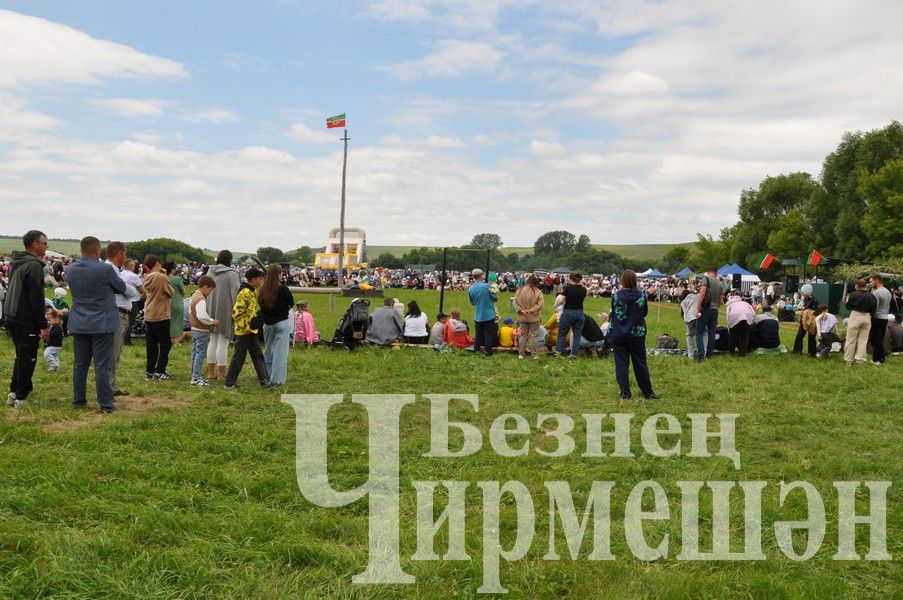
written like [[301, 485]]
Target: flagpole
[[340, 279]]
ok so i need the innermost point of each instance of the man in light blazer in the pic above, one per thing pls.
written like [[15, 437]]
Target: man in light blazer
[[93, 321]]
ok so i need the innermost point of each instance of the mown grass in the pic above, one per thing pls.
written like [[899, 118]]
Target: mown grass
[[191, 493]]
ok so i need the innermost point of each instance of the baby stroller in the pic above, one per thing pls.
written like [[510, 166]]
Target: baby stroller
[[352, 329]]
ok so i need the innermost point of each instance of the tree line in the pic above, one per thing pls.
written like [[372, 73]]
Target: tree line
[[853, 210]]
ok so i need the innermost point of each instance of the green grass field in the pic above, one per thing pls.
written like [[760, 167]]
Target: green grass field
[[191, 493]]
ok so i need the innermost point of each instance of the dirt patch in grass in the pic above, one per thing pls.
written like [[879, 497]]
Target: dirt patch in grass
[[89, 417]]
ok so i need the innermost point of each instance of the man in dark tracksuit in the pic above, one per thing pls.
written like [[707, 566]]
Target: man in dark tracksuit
[[24, 312]]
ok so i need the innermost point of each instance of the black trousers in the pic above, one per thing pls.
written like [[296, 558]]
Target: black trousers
[[27, 340], [740, 338], [158, 344], [244, 345], [798, 342], [827, 340], [133, 314], [626, 350], [876, 338], [410, 339], [483, 336]]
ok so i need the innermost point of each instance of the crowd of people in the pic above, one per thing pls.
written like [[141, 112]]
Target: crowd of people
[[240, 307]]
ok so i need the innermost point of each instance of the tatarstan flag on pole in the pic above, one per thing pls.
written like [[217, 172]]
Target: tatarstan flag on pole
[[815, 258], [336, 121], [766, 260]]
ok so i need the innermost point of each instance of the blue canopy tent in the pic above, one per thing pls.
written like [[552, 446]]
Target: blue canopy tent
[[733, 269], [654, 273], [685, 272]]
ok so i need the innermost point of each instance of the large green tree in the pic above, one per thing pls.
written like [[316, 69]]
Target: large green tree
[[762, 209], [487, 241], [836, 216], [555, 243], [883, 220], [166, 249], [300, 256], [793, 238], [675, 259], [711, 253], [270, 255]]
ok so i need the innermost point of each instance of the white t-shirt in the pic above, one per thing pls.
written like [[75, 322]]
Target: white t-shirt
[[415, 326]]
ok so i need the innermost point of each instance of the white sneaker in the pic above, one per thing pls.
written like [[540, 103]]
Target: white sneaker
[[19, 403], [11, 399], [877, 364], [521, 356]]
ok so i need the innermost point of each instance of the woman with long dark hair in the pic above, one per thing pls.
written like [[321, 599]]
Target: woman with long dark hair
[[416, 325], [275, 303], [628, 336]]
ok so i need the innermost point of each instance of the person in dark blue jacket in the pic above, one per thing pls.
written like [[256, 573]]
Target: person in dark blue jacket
[[628, 336]]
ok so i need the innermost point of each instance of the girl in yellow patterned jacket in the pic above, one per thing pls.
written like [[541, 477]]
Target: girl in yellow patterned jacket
[[246, 320]]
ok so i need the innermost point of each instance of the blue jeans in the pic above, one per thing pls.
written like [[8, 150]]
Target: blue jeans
[[571, 319], [275, 353], [52, 356], [99, 347], [706, 324], [585, 344], [199, 341]]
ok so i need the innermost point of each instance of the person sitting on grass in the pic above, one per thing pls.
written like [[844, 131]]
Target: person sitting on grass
[[247, 322], [766, 330], [506, 333], [591, 338], [416, 325], [305, 328], [201, 324], [827, 331], [437, 332], [457, 332], [385, 325]]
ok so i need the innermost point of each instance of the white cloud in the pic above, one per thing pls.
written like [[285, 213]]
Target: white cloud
[[546, 149], [481, 139], [132, 107], [301, 132], [38, 51], [148, 137], [444, 141], [399, 10], [16, 117], [213, 115], [450, 58]]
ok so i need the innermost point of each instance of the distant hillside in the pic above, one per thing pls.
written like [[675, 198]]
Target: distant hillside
[[650, 252], [10, 243]]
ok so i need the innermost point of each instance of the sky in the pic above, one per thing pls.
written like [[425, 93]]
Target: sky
[[631, 122]]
